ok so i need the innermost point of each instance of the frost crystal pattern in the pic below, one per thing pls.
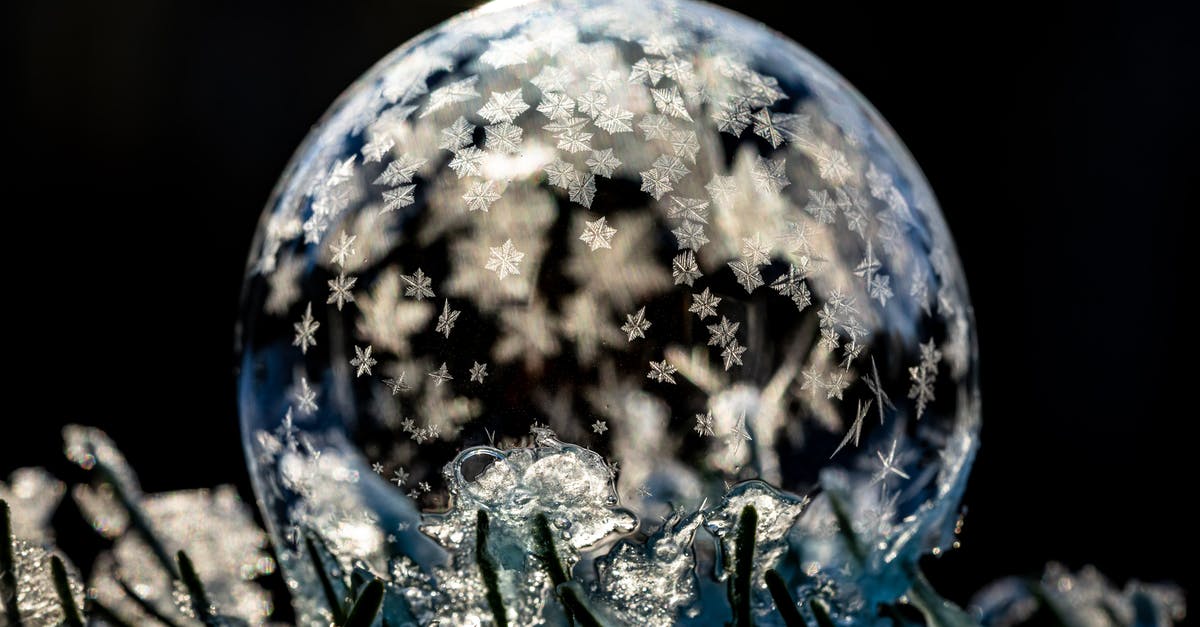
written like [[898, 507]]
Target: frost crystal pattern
[[624, 267]]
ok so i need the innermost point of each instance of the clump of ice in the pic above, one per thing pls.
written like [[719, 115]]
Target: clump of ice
[[777, 515], [571, 486], [647, 583]]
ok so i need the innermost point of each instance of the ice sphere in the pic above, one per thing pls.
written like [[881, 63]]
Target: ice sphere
[[629, 265]]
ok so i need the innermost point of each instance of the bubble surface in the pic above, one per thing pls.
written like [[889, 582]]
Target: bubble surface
[[626, 265]]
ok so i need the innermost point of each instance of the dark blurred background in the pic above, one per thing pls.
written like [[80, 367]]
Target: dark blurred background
[[1060, 138]]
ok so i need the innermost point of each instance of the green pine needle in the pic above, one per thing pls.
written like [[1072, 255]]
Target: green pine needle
[[487, 570], [846, 527], [547, 551], [783, 600], [63, 587], [200, 603], [572, 602], [938, 611], [743, 564], [331, 596], [572, 597], [366, 608], [8, 568], [821, 614], [138, 521], [146, 606]]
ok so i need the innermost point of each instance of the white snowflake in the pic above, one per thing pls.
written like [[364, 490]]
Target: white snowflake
[[656, 182], [400, 171], [704, 304], [704, 424], [458, 91], [755, 251], [441, 375], [669, 102], [604, 80], [888, 466], [377, 148], [583, 192], [503, 106], [690, 235], [556, 106], [777, 128], [791, 284], [418, 285], [342, 249], [693, 209], [769, 175], [747, 274], [636, 324], [504, 137], [478, 372], [459, 134], [732, 355], [592, 102], [398, 198], [339, 290], [838, 382], [672, 166], [832, 164], [869, 265], [467, 162], [599, 427], [561, 174], [504, 259], [341, 172], [740, 434], [879, 287], [574, 141], [614, 119], [647, 71], [685, 144], [306, 398], [597, 234], [684, 269], [656, 126], [397, 384], [722, 333], [481, 195], [855, 430], [603, 163], [661, 371], [732, 119], [306, 330], [923, 376], [813, 380], [722, 189], [445, 322], [362, 361]]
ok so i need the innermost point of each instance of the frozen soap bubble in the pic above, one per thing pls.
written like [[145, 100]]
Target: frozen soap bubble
[[622, 268]]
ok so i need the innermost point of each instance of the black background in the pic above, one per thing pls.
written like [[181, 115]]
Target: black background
[[1060, 139]]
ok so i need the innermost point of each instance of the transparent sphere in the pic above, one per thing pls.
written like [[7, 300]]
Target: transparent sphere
[[612, 272]]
